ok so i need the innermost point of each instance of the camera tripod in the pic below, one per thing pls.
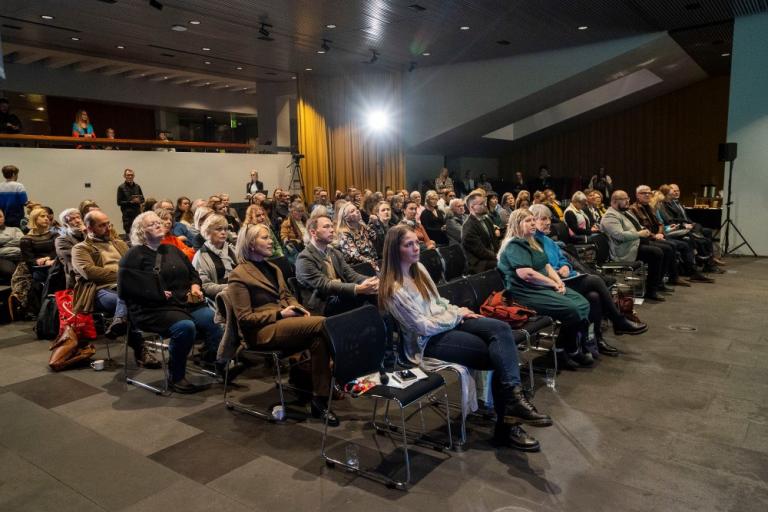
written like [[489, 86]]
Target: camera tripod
[[728, 223], [296, 185]]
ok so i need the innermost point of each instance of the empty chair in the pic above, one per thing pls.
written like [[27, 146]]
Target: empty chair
[[455, 263], [358, 344], [485, 283]]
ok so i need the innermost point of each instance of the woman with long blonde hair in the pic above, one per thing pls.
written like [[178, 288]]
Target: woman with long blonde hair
[[434, 328], [530, 280], [355, 240]]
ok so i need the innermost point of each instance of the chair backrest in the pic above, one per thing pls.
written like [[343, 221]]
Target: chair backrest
[[285, 266], [455, 261], [364, 268], [485, 283], [460, 293], [434, 264], [560, 231], [357, 342]]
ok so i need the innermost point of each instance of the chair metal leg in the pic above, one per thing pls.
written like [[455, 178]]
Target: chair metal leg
[[240, 407]]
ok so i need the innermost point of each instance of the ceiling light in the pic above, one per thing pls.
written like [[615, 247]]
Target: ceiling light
[[194, 22], [377, 121], [165, 78], [307, 69], [464, 27], [725, 54], [120, 47], [207, 83], [293, 78], [206, 49], [207, 62], [426, 54], [178, 28], [583, 27], [41, 109], [239, 68], [75, 38], [157, 5], [47, 17], [330, 25], [264, 33]]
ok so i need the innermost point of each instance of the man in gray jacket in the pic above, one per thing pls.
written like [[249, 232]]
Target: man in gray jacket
[[454, 220], [331, 285], [628, 243]]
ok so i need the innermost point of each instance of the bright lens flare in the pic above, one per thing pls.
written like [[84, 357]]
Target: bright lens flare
[[378, 121]]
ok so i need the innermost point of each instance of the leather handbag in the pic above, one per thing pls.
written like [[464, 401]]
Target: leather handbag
[[501, 308], [66, 351]]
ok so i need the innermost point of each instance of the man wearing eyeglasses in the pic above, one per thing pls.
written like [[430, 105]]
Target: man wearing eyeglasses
[[95, 262]]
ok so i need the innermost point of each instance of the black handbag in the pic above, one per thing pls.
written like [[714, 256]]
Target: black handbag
[[47, 323]]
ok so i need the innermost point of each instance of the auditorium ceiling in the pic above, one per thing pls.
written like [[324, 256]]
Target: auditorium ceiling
[[268, 41]]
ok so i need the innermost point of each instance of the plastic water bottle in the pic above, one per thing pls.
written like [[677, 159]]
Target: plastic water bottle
[[278, 413], [352, 456]]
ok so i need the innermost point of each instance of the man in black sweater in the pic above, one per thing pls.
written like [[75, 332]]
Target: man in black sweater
[[129, 199], [479, 237]]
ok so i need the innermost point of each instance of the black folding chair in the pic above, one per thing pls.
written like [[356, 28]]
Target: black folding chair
[[364, 268], [358, 343], [460, 293], [285, 266], [454, 260], [485, 283]]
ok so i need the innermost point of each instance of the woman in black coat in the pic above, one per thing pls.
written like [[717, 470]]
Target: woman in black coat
[[433, 219], [169, 302]]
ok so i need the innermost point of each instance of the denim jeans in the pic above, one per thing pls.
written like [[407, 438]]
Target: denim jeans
[[106, 300], [183, 334], [481, 344]]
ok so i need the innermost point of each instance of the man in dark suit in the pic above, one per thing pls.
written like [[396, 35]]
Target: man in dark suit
[[332, 285], [479, 237], [129, 199], [254, 185]]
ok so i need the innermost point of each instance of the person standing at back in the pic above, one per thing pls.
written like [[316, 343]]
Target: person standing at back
[[13, 196], [129, 199]]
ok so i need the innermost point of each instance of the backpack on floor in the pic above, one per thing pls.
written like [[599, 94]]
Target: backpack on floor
[[47, 323]]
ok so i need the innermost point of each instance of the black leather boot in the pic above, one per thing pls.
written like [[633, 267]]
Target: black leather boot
[[318, 407], [513, 436], [626, 326], [566, 363], [517, 409]]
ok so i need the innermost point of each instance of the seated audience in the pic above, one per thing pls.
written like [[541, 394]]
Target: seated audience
[[454, 220], [10, 252], [410, 211], [591, 286], [332, 285], [482, 182], [494, 210], [255, 214], [271, 318], [479, 236], [648, 219], [321, 199], [626, 247], [13, 196], [38, 251], [293, 229], [433, 219], [9, 122], [184, 213], [530, 280], [216, 258], [601, 182], [594, 209], [355, 240], [431, 327], [518, 183], [233, 219], [550, 199], [82, 126], [580, 228], [253, 185], [443, 183], [507, 206], [170, 239], [169, 302], [72, 233], [380, 222], [415, 196], [396, 203], [95, 261]]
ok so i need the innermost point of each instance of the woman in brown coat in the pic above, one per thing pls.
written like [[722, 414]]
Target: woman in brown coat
[[271, 318]]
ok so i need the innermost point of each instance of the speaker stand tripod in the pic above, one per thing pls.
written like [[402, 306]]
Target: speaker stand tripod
[[728, 223], [296, 185]]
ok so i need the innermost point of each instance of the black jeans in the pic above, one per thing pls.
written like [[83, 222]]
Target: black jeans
[[685, 250], [654, 258], [669, 265], [601, 304], [481, 344]]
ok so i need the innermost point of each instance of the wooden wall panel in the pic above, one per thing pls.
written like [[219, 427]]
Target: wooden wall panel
[[672, 138]]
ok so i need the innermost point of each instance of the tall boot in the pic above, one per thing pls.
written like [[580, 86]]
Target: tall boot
[[517, 409]]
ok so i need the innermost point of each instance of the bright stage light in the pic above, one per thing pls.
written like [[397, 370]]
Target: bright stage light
[[378, 121]]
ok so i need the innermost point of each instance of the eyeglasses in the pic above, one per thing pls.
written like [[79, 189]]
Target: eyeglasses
[[153, 224]]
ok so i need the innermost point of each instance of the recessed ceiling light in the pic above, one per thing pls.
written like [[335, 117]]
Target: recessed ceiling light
[[37, 120], [120, 47], [207, 83], [426, 54], [330, 25], [464, 27], [206, 49], [321, 51], [207, 62], [194, 22], [41, 109], [75, 38], [239, 68], [179, 28], [307, 69], [47, 17], [293, 78], [725, 54], [583, 27]]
